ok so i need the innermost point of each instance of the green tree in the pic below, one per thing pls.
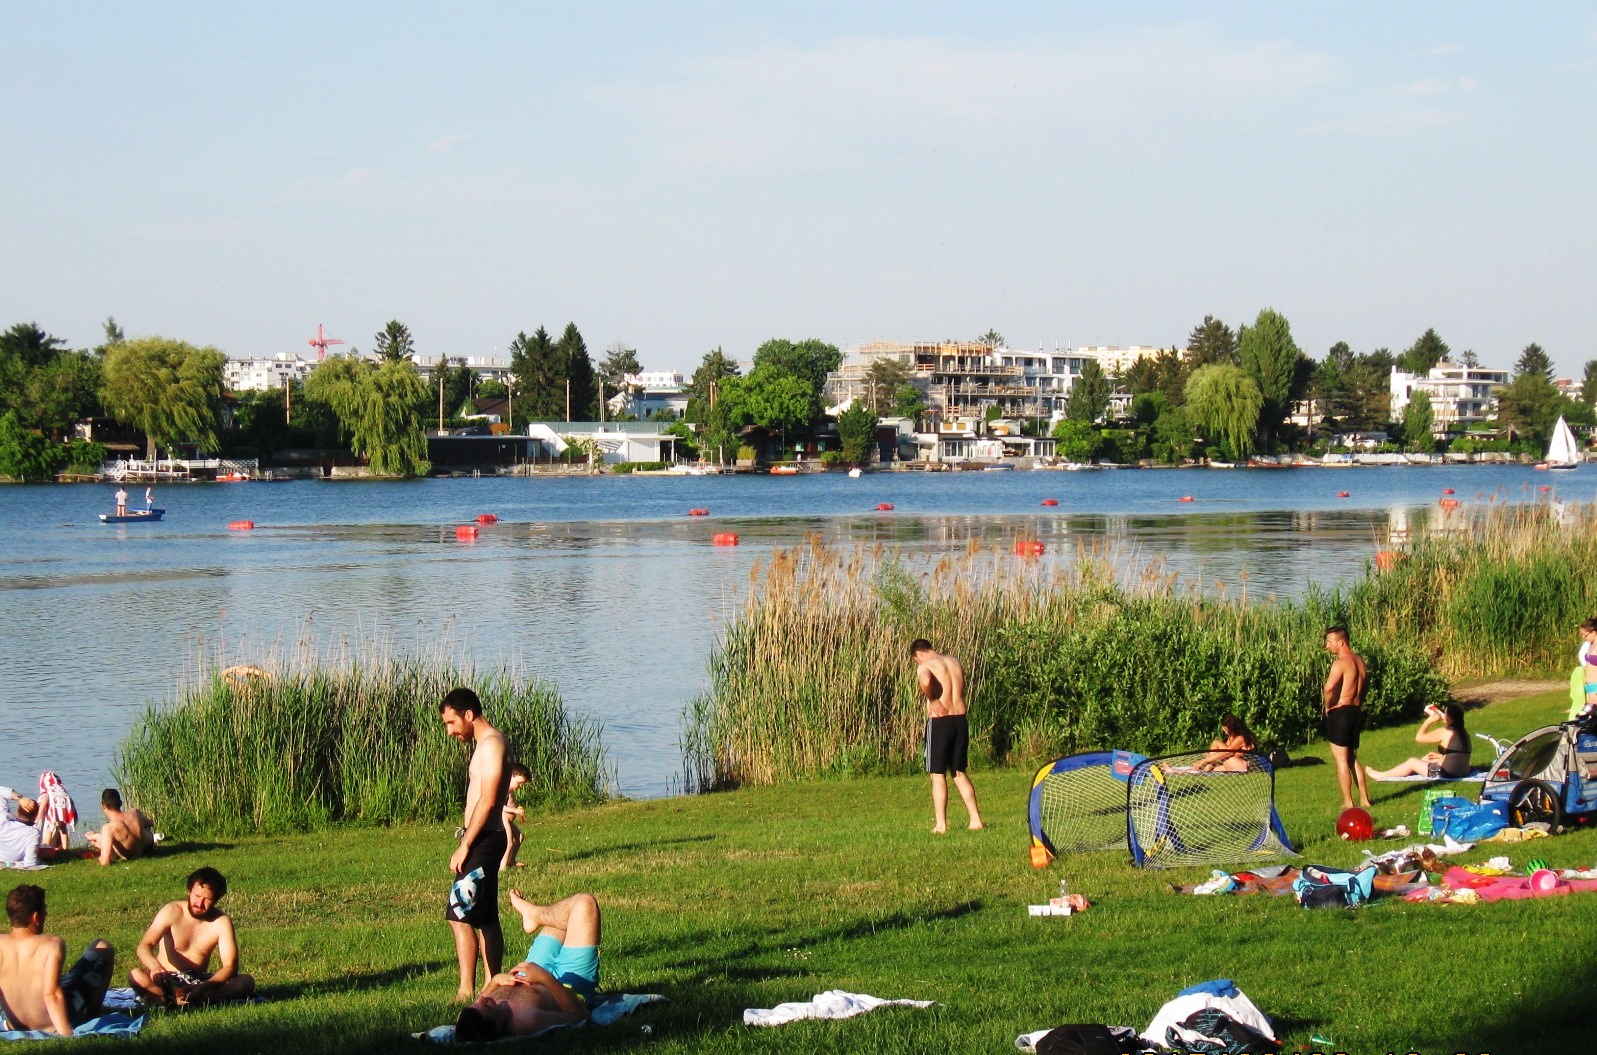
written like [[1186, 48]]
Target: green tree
[[992, 338], [25, 349], [809, 360], [540, 376], [1270, 357], [169, 390], [1076, 441], [1588, 384], [1418, 417], [909, 402], [1174, 437], [1424, 353], [856, 433], [1165, 373], [573, 350], [26, 455], [378, 411], [1211, 341], [704, 386], [114, 335], [1534, 360], [393, 343], [773, 399], [492, 389], [619, 361], [460, 384], [883, 380], [1089, 394], [1225, 403], [1469, 359]]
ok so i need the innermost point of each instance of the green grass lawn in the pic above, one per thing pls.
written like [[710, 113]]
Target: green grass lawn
[[757, 897]]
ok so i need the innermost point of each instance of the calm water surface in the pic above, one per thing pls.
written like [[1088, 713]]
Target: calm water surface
[[600, 584]]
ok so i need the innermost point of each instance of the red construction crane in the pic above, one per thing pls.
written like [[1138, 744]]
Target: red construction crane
[[321, 342]]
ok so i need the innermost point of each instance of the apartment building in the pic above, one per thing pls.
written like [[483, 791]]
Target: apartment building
[[1460, 395], [260, 374]]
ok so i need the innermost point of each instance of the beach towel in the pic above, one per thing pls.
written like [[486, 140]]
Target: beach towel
[[111, 1024], [56, 811], [1508, 888], [1478, 775], [604, 1013], [834, 1003]]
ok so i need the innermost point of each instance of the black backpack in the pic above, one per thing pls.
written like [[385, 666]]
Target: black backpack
[[1090, 1040]]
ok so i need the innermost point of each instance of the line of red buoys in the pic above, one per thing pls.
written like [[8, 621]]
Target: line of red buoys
[[884, 506], [241, 525], [1028, 547], [1050, 501], [698, 512], [465, 532], [725, 538]]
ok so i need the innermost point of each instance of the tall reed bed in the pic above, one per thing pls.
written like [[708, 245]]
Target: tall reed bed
[[353, 743], [1492, 589], [814, 677]]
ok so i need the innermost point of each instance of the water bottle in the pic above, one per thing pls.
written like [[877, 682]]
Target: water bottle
[[1063, 888]]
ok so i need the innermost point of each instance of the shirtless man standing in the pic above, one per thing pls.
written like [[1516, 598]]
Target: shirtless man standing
[[34, 994], [941, 680], [127, 833], [473, 910], [176, 950], [1343, 697], [553, 986]]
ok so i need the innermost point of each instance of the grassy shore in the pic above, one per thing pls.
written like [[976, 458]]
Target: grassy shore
[[755, 897]]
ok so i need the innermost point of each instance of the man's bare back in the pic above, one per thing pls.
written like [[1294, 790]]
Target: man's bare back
[[30, 981], [127, 833], [1344, 686], [942, 682]]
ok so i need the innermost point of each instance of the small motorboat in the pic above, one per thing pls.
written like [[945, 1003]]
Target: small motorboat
[[132, 516], [784, 470], [854, 473]]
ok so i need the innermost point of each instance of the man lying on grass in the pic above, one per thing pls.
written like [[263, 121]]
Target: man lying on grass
[[556, 983], [34, 994], [176, 950]]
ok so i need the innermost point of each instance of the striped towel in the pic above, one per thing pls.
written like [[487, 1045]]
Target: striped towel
[[56, 811]]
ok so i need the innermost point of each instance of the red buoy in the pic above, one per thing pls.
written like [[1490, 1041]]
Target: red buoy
[[1546, 488], [487, 518], [725, 538], [465, 532], [697, 512], [884, 506], [1050, 501], [1028, 547], [1447, 490], [241, 525], [1343, 494], [1184, 498], [1448, 503]]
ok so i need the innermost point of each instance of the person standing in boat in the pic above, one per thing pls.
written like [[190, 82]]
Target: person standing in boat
[[149, 499], [121, 501]]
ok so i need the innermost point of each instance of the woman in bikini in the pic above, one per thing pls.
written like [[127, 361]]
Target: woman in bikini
[[1226, 754], [1451, 759]]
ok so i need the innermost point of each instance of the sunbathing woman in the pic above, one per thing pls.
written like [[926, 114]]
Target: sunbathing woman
[[1452, 760], [1225, 754]]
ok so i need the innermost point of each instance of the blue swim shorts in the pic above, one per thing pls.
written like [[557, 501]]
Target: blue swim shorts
[[575, 967]]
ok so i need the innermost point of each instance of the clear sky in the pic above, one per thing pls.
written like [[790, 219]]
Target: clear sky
[[680, 176]]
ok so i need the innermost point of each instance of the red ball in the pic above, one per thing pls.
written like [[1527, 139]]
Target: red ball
[[1355, 824]]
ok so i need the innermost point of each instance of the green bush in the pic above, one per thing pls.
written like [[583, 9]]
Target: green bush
[[631, 467], [356, 744]]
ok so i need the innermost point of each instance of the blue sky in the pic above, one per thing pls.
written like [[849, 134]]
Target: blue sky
[[685, 176]]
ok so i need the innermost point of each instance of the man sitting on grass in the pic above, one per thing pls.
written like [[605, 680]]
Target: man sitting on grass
[[556, 983], [127, 833], [34, 994], [177, 949]]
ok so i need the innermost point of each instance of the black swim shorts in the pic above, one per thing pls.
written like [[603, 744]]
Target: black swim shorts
[[474, 895], [1342, 726], [947, 744]]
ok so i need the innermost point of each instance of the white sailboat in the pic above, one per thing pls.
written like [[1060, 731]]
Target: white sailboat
[[1562, 453]]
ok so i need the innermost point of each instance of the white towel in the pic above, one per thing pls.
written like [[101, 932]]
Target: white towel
[[834, 1003]]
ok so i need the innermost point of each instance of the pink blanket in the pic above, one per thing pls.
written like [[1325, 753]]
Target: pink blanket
[[1509, 888]]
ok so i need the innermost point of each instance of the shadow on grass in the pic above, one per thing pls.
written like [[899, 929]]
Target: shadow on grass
[[174, 848], [1555, 1016], [354, 982], [617, 848]]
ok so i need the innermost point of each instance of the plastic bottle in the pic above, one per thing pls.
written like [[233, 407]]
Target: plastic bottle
[[1064, 889]]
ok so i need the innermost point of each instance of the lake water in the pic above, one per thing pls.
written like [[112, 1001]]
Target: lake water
[[601, 584]]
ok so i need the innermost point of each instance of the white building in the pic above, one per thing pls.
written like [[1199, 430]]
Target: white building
[[1460, 395], [254, 375], [650, 391]]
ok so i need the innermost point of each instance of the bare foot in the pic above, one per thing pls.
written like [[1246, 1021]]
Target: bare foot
[[939, 831], [527, 910], [977, 826], [464, 997]]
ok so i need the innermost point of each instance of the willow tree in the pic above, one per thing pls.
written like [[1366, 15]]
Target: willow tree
[[169, 390], [378, 408], [1224, 401]]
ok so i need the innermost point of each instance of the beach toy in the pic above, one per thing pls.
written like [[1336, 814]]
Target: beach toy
[[465, 532], [1355, 824], [1543, 880], [1050, 501], [1536, 864], [1028, 547], [241, 525], [725, 538], [884, 506], [487, 518]]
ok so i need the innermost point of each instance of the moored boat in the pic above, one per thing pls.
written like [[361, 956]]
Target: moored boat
[[132, 516]]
